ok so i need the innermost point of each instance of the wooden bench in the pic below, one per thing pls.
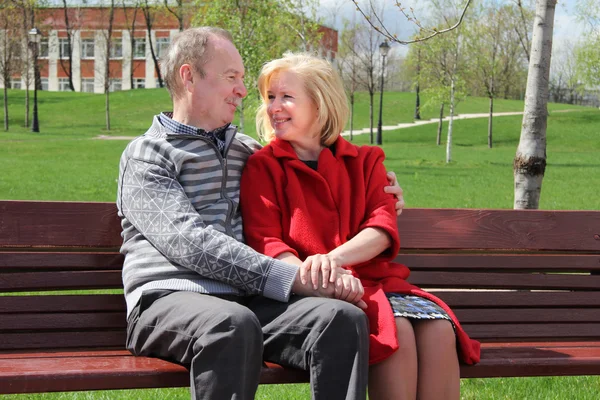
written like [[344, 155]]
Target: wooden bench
[[524, 283]]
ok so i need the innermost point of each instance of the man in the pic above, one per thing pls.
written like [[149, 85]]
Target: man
[[196, 295]]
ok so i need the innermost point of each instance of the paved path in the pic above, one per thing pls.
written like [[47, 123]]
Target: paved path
[[428, 121]]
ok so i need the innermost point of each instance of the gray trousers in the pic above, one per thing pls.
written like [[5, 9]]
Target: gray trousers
[[223, 341]]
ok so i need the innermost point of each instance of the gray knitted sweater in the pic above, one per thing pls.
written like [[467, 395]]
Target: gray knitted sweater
[[178, 199]]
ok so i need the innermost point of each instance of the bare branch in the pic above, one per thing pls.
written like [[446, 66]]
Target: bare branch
[[431, 32]]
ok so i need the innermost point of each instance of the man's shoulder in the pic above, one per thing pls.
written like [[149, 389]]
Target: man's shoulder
[[248, 142]]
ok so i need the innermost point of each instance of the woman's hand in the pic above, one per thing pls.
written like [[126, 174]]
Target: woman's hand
[[395, 189], [321, 267]]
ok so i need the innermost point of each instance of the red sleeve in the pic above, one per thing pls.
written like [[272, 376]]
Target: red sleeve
[[380, 207], [261, 212]]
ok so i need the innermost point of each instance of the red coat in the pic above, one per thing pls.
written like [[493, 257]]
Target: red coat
[[287, 206]]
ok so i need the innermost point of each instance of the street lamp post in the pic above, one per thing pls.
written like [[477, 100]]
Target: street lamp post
[[384, 49], [35, 36]]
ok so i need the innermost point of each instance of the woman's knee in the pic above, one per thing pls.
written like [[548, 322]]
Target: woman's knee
[[439, 333]]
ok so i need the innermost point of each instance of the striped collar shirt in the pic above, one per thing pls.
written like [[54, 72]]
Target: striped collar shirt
[[217, 136]]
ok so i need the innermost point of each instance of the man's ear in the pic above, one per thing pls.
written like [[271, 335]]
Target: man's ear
[[187, 77]]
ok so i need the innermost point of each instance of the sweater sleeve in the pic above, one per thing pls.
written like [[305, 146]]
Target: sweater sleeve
[[380, 206], [261, 210], [155, 203]]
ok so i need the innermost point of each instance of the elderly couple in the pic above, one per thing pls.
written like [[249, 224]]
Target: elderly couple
[[307, 280]]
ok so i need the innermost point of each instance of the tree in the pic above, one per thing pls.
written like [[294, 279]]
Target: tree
[[442, 66], [491, 51], [587, 53], [260, 31], [530, 160], [130, 25], [107, 16], [348, 65], [149, 9], [27, 15], [10, 46], [72, 21]]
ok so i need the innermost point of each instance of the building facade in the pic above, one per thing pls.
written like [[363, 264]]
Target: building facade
[[131, 63]]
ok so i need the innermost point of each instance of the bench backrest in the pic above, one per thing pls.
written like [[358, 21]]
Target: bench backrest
[[509, 275]]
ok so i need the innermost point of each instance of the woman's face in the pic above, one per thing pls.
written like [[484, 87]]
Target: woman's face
[[292, 112]]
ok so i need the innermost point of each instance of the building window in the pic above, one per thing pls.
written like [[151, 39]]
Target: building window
[[87, 85], [15, 83], [162, 44], [139, 48], [63, 85], [43, 49], [116, 48], [115, 85], [63, 47], [44, 82], [139, 83], [87, 48]]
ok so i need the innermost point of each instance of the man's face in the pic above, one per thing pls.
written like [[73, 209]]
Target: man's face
[[216, 96]]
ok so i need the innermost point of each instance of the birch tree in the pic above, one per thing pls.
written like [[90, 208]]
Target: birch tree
[[348, 65], [108, 16], [10, 45], [131, 25], [530, 160]]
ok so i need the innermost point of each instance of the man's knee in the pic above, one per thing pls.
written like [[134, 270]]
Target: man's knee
[[348, 319]]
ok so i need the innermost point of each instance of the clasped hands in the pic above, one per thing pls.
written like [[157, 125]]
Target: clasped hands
[[321, 275]]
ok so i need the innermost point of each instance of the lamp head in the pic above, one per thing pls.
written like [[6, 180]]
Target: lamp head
[[35, 35], [384, 48]]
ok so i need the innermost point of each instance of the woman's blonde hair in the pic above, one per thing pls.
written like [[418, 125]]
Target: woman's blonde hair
[[323, 85]]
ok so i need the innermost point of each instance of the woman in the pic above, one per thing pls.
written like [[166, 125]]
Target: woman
[[313, 199]]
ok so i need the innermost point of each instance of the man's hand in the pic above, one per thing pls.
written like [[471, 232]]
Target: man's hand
[[347, 287], [396, 190]]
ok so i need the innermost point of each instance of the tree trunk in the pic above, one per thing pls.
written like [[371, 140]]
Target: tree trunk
[[490, 122], [439, 131], [5, 105], [351, 115], [418, 104], [450, 123], [242, 115], [107, 109], [371, 115], [530, 161]]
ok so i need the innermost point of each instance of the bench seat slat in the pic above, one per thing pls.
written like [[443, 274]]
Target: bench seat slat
[[492, 262], [61, 280], [547, 331], [62, 303], [528, 315], [113, 369], [52, 340], [62, 321], [15, 260], [490, 280], [514, 299]]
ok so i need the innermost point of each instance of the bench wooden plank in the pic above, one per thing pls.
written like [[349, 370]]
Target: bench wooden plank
[[11, 261], [49, 224], [494, 280], [514, 299], [64, 303], [500, 229], [494, 262], [60, 280]]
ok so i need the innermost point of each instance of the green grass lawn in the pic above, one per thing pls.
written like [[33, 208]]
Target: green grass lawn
[[66, 162]]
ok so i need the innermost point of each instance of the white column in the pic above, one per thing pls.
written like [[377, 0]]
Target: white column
[[76, 59], [53, 53], [99, 61], [127, 57], [150, 79]]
